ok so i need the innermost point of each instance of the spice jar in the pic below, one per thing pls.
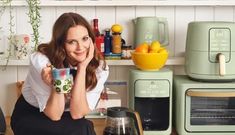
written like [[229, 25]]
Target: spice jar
[[116, 43], [126, 52]]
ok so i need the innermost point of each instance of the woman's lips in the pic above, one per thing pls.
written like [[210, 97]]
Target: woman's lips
[[81, 53]]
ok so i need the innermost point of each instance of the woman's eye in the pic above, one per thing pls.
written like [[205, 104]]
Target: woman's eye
[[72, 42], [85, 38]]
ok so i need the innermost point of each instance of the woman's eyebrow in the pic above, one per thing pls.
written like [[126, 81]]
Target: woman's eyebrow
[[86, 36], [76, 38]]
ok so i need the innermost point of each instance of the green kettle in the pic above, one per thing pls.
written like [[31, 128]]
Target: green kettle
[[148, 29]]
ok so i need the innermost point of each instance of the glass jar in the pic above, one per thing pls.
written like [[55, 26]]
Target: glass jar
[[126, 52], [116, 43]]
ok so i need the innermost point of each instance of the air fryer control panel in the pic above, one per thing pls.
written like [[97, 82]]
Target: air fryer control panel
[[219, 42]]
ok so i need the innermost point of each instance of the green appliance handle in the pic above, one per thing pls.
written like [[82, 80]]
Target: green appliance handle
[[165, 40], [137, 121], [192, 93]]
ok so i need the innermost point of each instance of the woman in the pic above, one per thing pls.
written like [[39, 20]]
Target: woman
[[43, 111]]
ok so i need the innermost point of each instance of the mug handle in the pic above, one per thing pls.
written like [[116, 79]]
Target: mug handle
[[137, 121], [165, 40]]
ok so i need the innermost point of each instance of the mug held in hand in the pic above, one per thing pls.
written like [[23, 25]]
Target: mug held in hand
[[63, 80]]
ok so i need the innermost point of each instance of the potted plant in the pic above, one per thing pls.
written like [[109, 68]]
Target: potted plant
[[34, 20], [6, 3]]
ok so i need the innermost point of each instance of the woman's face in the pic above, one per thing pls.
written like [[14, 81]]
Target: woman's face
[[77, 44]]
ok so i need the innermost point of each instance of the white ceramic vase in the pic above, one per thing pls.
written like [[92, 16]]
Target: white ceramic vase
[[21, 46]]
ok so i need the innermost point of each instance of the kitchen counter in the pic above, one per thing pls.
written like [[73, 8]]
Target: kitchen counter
[[98, 124], [170, 61]]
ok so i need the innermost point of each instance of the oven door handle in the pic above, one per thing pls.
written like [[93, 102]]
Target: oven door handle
[[209, 94]]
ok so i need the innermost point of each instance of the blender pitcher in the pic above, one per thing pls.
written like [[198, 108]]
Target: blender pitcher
[[148, 29], [122, 121]]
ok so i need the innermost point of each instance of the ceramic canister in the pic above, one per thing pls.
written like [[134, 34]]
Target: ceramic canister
[[21, 46]]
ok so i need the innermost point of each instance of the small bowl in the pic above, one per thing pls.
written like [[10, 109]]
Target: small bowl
[[149, 61]]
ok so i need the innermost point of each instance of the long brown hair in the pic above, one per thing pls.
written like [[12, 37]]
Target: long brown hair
[[55, 49]]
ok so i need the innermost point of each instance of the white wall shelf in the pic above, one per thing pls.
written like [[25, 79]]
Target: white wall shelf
[[130, 3], [170, 61]]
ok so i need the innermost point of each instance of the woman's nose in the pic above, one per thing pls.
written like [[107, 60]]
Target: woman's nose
[[79, 45]]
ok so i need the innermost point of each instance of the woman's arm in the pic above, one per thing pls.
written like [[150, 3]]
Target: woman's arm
[[78, 103], [56, 102], [55, 106]]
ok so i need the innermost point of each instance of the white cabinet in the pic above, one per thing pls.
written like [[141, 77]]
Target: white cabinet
[[130, 3]]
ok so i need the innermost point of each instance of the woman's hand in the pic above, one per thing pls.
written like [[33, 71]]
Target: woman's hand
[[90, 55], [47, 75]]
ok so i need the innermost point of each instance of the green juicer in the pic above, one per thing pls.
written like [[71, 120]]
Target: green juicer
[[210, 51], [150, 94]]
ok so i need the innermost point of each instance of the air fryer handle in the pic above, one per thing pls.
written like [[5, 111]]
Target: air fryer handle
[[214, 94], [221, 58]]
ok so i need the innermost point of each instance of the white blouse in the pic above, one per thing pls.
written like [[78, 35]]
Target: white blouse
[[36, 92]]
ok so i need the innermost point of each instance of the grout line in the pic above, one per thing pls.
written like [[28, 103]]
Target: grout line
[[115, 12], [174, 48], [174, 29], [213, 13], [95, 11], [195, 13], [233, 14], [155, 11]]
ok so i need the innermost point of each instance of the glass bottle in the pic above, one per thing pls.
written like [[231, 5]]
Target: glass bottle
[[96, 27], [107, 41], [102, 49], [99, 38]]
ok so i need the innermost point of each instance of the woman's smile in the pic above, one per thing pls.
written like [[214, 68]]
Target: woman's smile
[[80, 53]]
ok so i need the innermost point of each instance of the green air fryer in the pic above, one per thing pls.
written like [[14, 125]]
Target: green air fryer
[[150, 95], [210, 51]]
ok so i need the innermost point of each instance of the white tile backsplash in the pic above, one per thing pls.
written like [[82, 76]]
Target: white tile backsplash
[[178, 18]]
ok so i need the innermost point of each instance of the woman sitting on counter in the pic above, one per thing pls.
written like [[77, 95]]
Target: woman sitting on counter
[[42, 109]]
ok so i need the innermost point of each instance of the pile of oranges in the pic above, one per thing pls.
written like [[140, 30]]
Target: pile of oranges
[[149, 57], [154, 47]]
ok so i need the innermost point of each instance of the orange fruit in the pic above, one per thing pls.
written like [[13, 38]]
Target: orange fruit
[[142, 48], [155, 46], [152, 51], [162, 50], [116, 28]]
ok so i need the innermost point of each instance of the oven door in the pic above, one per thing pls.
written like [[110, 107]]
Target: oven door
[[210, 110]]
